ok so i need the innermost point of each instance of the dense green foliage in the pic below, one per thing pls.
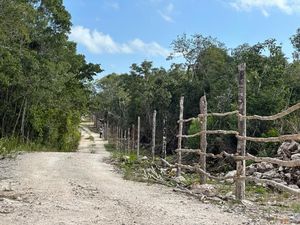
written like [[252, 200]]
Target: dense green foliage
[[209, 68], [43, 81]]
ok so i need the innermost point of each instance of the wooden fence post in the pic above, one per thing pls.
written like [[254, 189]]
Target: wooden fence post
[[105, 132], [203, 141], [138, 138], [164, 142], [133, 137], [153, 135], [241, 145], [117, 137], [178, 172], [128, 139]]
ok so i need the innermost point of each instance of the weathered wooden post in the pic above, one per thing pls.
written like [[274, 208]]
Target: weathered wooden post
[[178, 172], [123, 140], [153, 135], [203, 141], [138, 138], [105, 132], [164, 142], [117, 137], [241, 145], [128, 139], [133, 137]]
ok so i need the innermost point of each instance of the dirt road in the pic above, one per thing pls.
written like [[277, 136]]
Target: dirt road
[[80, 189]]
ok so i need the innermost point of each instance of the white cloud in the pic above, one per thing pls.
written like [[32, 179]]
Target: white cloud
[[167, 12], [97, 42], [287, 6]]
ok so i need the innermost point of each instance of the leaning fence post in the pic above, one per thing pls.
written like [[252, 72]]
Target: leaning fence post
[[178, 172], [153, 134], [241, 145], [164, 142], [138, 138], [203, 141]]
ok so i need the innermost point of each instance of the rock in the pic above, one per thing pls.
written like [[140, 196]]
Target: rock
[[205, 189], [296, 219], [126, 158], [270, 174], [230, 195], [247, 203], [7, 187], [251, 169], [180, 179], [293, 146], [230, 174], [288, 176], [298, 183], [257, 175], [283, 151], [144, 158], [295, 156], [264, 166]]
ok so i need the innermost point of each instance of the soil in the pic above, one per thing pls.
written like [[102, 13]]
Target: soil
[[79, 188]]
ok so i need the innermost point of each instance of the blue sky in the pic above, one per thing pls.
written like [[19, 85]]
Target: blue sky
[[117, 33]]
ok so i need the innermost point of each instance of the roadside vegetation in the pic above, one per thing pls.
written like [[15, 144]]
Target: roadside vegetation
[[262, 201], [45, 86]]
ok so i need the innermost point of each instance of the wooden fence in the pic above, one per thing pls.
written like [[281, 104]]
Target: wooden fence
[[241, 155]]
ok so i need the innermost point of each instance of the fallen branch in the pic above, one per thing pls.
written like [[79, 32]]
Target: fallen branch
[[199, 170], [275, 185], [166, 162]]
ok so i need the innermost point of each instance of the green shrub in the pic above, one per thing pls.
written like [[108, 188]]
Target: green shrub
[[193, 128]]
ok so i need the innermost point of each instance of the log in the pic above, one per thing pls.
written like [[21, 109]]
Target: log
[[199, 170], [274, 184]]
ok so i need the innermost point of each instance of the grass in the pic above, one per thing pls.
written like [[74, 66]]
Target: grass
[[295, 207], [91, 138], [265, 198], [131, 167], [10, 146]]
